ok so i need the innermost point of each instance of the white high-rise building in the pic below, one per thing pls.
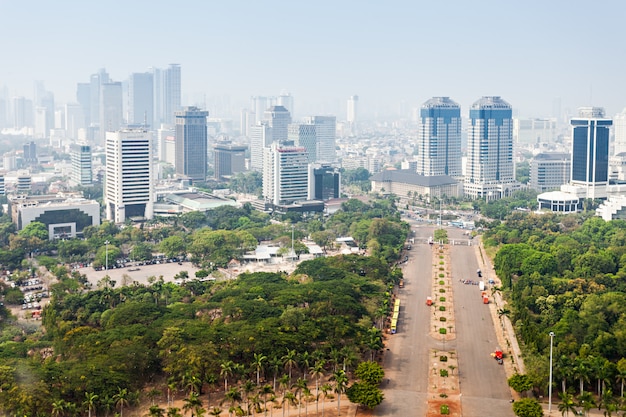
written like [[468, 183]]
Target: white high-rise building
[[129, 187], [325, 134], [260, 138], [619, 130], [532, 132], [303, 135], [164, 133], [74, 120], [172, 92], [439, 139], [285, 173], [351, 118], [259, 105], [285, 99], [490, 172]]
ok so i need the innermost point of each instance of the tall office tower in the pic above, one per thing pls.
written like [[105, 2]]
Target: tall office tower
[[490, 172], [2, 189], [95, 84], [325, 136], [279, 119], [59, 118], [324, 182], [285, 99], [74, 120], [303, 135], [285, 173], [83, 97], [590, 151], [439, 139], [259, 105], [111, 112], [171, 92], [530, 133], [41, 122], [164, 133], [548, 171], [140, 99], [352, 114], [191, 143], [157, 96], [129, 189], [19, 112], [229, 159], [619, 129], [30, 152], [246, 121], [81, 173], [260, 138]]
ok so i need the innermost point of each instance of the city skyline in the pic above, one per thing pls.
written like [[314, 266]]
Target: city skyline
[[391, 57]]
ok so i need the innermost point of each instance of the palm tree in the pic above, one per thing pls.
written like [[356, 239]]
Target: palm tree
[[192, 402], [564, 370], [258, 360], [152, 394], [90, 401], [274, 365], [581, 372], [317, 372], [326, 388], [283, 382], [121, 399], [290, 399], [156, 411], [58, 408], [374, 341], [171, 389], [234, 396], [305, 358], [247, 388], [265, 391], [335, 358], [174, 412], [349, 357], [586, 401], [301, 388], [567, 404], [341, 382], [215, 411], [289, 361], [227, 368]]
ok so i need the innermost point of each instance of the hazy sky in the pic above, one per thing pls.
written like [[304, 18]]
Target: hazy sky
[[528, 52]]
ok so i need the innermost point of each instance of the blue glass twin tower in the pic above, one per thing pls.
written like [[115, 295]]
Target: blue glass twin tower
[[439, 140]]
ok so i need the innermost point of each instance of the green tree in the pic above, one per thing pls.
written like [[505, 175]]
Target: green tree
[[365, 394], [527, 407], [341, 381], [35, 229], [122, 399], [257, 362], [173, 246], [90, 401], [370, 372], [520, 383], [567, 404]]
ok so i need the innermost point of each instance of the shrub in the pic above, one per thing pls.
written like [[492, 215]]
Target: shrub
[[443, 372], [442, 282], [442, 308], [442, 290], [443, 395], [442, 319], [442, 275], [442, 330], [444, 409], [440, 262], [443, 358], [442, 299]]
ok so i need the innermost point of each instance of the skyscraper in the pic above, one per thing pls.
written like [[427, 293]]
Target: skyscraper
[[171, 92], [141, 99], [229, 159], [129, 190], [303, 135], [191, 143], [439, 139], [325, 136], [111, 111], [590, 151], [619, 123], [81, 164], [285, 99], [490, 171], [278, 118], [285, 173], [259, 105], [260, 138], [352, 114]]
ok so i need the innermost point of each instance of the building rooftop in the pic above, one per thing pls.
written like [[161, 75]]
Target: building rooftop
[[490, 102], [557, 196], [410, 177], [440, 102], [552, 156]]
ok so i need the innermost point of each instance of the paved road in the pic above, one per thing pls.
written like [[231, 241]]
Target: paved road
[[483, 381], [407, 360]]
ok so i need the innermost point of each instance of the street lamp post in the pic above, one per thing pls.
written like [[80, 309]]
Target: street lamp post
[[106, 255], [550, 383], [293, 253]]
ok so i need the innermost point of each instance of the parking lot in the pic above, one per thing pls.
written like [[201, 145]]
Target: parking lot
[[140, 273]]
